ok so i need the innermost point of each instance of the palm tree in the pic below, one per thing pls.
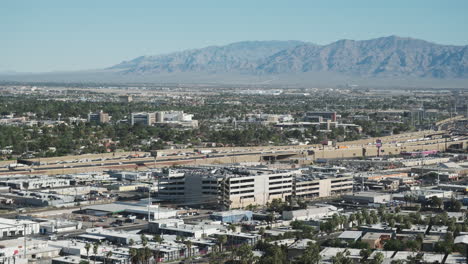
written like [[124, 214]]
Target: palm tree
[[188, 244], [144, 240], [147, 254], [311, 254], [406, 198], [133, 254], [87, 247], [95, 251], [222, 241], [158, 239], [156, 255], [108, 255]]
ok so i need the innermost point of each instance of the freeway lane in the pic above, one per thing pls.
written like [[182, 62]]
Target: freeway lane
[[230, 155], [146, 162]]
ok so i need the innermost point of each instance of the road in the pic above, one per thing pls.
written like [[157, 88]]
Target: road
[[391, 145]]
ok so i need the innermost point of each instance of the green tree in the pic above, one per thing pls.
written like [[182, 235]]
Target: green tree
[[365, 253], [436, 201], [311, 255], [342, 258], [244, 254], [378, 258]]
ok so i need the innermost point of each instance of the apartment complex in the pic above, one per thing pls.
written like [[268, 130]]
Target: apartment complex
[[235, 187]]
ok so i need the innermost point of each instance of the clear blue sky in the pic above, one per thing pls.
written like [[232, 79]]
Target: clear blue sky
[[42, 35]]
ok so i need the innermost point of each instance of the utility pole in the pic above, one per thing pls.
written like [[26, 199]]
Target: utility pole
[[24, 234], [149, 202]]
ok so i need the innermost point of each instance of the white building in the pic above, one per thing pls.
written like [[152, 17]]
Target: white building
[[16, 227], [178, 118], [310, 213], [230, 187], [177, 227], [59, 226]]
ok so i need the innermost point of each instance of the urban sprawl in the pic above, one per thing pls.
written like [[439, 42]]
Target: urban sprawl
[[140, 174]]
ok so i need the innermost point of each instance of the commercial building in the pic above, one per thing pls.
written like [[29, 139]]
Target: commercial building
[[375, 240], [350, 235], [32, 182], [228, 187], [130, 175], [238, 187], [320, 116], [367, 198], [143, 118], [316, 185], [68, 260], [125, 98], [137, 209], [16, 227], [118, 237], [42, 199], [238, 238], [176, 118], [266, 119], [310, 213], [233, 216], [178, 228], [328, 253], [378, 228], [99, 117], [59, 226], [33, 251]]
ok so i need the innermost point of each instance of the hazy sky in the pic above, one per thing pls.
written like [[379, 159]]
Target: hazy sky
[[42, 35]]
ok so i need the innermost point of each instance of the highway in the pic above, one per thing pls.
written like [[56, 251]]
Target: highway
[[391, 145]]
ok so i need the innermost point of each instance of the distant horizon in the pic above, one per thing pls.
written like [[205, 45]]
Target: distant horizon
[[55, 35], [216, 45]]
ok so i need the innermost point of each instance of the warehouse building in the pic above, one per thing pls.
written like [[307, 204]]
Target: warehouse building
[[138, 209], [368, 198]]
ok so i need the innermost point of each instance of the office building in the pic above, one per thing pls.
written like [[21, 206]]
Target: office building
[[320, 116], [99, 117], [143, 118], [227, 187]]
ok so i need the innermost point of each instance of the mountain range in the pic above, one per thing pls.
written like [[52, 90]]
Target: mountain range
[[392, 58], [388, 56]]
